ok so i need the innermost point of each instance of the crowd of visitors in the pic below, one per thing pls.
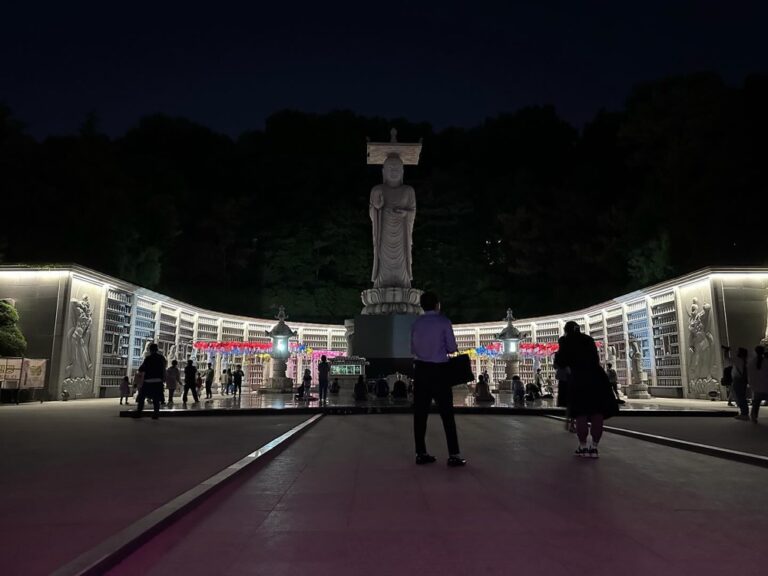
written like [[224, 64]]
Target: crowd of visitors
[[746, 379], [588, 393]]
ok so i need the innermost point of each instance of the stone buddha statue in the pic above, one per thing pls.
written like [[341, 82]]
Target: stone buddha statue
[[393, 211]]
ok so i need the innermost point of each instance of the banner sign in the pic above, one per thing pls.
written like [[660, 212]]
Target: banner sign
[[33, 373], [10, 372]]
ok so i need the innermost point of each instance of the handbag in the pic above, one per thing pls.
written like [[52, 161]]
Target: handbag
[[458, 370]]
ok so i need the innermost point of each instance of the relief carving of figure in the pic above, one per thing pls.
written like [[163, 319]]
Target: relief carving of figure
[[80, 363], [764, 341], [393, 211], [701, 341]]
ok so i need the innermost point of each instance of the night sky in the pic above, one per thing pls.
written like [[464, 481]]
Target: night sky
[[229, 66]]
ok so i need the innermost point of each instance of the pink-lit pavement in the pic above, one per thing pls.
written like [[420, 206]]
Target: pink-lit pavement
[[74, 473], [345, 498]]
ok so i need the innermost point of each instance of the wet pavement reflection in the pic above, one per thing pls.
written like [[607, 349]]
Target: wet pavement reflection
[[462, 397]]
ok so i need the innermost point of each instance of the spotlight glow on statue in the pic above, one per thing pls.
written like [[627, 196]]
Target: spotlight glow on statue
[[392, 211]]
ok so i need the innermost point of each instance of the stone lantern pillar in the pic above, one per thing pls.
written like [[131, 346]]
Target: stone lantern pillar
[[510, 338], [280, 335]]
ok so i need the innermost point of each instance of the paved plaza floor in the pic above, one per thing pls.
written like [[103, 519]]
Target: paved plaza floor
[[346, 498], [74, 472], [718, 432]]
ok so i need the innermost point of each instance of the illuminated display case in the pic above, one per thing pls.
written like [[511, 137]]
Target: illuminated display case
[[207, 328], [144, 330], [168, 333], [527, 364], [547, 332], [186, 334], [257, 367], [616, 337], [666, 341], [596, 329], [117, 338], [638, 330]]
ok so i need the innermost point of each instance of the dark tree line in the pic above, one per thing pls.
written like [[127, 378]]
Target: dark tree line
[[523, 210]]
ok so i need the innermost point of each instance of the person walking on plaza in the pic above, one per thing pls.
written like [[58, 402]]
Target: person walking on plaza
[[237, 380], [538, 380], [432, 339], [739, 382], [172, 379], [152, 372], [590, 397], [125, 389], [727, 379], [190, 383], [306, 383], [757, 376], [209, 374], [613, 380], [323, 372], [225, 383]]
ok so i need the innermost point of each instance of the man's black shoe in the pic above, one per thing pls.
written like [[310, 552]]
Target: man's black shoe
[[454, 461], [424, 459]]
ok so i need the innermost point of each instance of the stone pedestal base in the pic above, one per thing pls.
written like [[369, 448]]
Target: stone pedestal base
[[78, 387], [704, 388], [385, 343], [279, 385], [391, 301], [638, 389], [639, 392]]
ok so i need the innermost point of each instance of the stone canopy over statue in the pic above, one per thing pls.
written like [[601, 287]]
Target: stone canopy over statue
[[392, 209]]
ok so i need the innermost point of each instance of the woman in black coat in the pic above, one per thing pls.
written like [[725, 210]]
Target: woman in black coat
[[590, 398]]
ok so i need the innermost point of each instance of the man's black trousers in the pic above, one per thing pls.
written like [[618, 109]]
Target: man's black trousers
[[153, 391], [190, 388], [428, 384]]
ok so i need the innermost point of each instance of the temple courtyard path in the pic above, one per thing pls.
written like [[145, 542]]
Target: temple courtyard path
[[346, 498]]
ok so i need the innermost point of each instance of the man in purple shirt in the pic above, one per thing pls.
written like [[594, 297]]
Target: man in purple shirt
[[431, 341]]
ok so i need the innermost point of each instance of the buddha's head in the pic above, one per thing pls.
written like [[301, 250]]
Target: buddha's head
[[392, 170]]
